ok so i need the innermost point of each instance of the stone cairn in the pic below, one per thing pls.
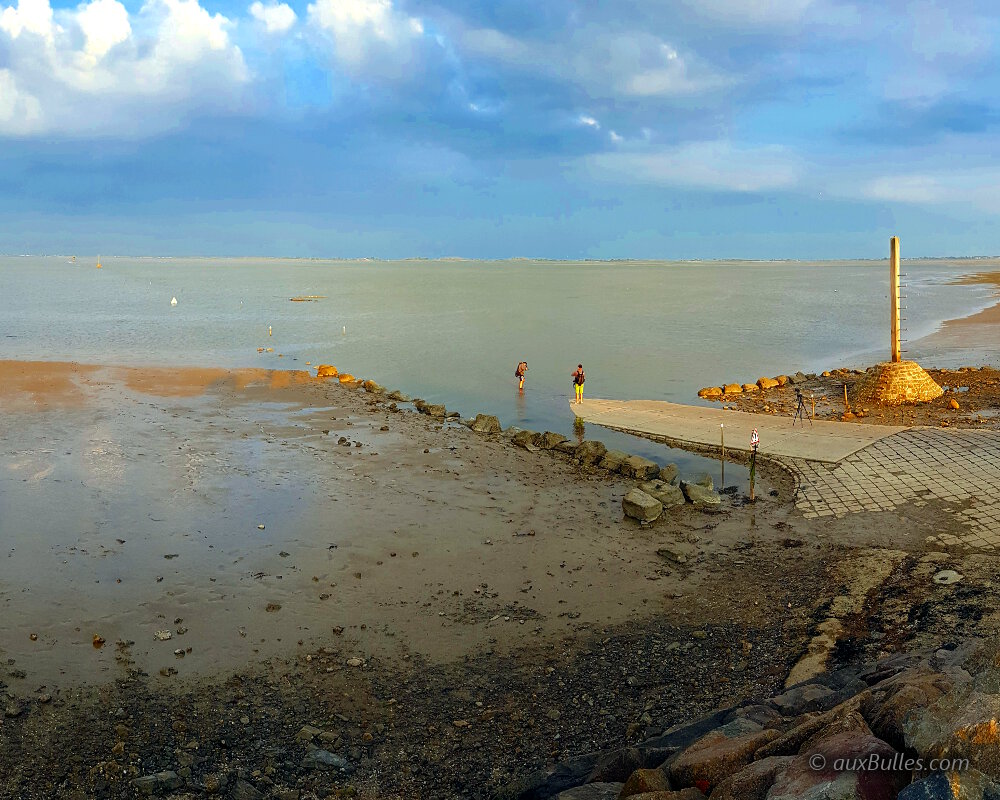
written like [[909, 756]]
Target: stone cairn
[[893, 383]]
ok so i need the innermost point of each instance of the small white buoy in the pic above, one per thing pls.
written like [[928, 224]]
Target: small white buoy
[[173, 301], [268, 330], [344, 332]]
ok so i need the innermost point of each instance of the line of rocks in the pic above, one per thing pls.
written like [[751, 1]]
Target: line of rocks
[[859, 733], [659, 487]]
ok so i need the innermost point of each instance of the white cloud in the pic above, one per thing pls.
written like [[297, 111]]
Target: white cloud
[[275, 17], [633, 64], [716, 165], [589, 122], [370, 36], [94, 70], [968, 186]]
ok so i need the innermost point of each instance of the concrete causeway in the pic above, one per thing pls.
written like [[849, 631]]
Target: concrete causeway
[[842, 468], [816, 440]]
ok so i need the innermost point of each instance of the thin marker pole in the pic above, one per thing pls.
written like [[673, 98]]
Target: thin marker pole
[[722, 433]]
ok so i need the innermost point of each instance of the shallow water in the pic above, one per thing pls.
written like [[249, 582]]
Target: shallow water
[[453, 331]]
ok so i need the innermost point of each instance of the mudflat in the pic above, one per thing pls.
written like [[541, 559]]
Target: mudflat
[[198, 563]]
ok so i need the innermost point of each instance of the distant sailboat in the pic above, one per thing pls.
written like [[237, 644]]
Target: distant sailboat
[[98, 262]]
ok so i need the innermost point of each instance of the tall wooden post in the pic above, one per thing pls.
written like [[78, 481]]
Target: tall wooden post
[[894, 299]]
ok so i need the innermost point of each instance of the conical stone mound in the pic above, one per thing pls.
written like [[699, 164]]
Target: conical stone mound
[[893, 383]]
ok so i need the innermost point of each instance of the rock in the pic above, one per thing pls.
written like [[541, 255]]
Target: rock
[[524, 439], [645, 780], [668, 494], [668, 474], [436, 410], [324, 759], [548, 440], [946, 577], [373, 388], [640, 468], [721, 753], [802, 698], [245, 791], [613, 460], [616, 766], [706, 481], [732, 388], [683, 794], [589, 453], [781, 379], [750, 388], [972, 785], [959, 724], [801, 778], [826, 373], [157, 783], [569, 448], [678, 552], [592, 791], [699, 496], [753, 781], [486, 423], [326, 371], [953, 403], [888, 708], [767, 383], [398, 396], [346, 377], [801, 377], [710, 392], [639, 505], [13, 709]]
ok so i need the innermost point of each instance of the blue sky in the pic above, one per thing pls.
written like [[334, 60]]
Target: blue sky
[[393, 128]]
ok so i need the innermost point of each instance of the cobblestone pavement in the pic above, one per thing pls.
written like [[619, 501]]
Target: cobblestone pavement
[[959, 467]]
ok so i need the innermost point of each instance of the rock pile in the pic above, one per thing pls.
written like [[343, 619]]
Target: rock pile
[[762, 384], [911, 727]]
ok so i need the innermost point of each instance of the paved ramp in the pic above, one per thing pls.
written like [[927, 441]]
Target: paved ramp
[[829, 442]]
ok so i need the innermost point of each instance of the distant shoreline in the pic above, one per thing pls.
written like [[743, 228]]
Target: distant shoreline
[[519, 259]]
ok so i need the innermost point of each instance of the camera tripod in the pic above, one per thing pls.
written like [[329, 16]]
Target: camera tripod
[[800, 409]]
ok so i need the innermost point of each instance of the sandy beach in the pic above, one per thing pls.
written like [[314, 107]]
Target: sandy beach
[[315, 554]]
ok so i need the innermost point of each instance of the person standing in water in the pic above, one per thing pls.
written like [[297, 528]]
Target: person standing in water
[[578, 379], [522, 367]]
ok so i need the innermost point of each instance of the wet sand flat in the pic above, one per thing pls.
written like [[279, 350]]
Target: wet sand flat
[[131, 502]]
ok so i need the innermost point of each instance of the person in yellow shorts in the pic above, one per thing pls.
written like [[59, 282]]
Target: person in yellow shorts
[[578, 379], [522, 367]]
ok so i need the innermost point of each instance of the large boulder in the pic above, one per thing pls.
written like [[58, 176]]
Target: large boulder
[[639, 505], [732, 388], [700, 496], [802, 698], [819, 771], [645, 780], [640, 468], [436, 410], [750, 388], [346, 377], [373, 388], [613, 460], [668, 474], [668, 494], [753, 781], [960, 724], [767, 383], [326, 371], [721, 753], [971, 784], [710, 392], [548, 440], [486, 423], [569, 448], [590, 453], [398, 396]]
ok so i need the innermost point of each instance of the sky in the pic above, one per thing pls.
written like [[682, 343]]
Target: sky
[[672, 129]]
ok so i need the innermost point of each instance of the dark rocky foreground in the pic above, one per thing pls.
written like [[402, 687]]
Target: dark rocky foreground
[[912, 727], [326, 726]]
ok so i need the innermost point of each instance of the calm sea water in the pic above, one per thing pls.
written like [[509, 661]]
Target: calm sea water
[[453, 331]]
